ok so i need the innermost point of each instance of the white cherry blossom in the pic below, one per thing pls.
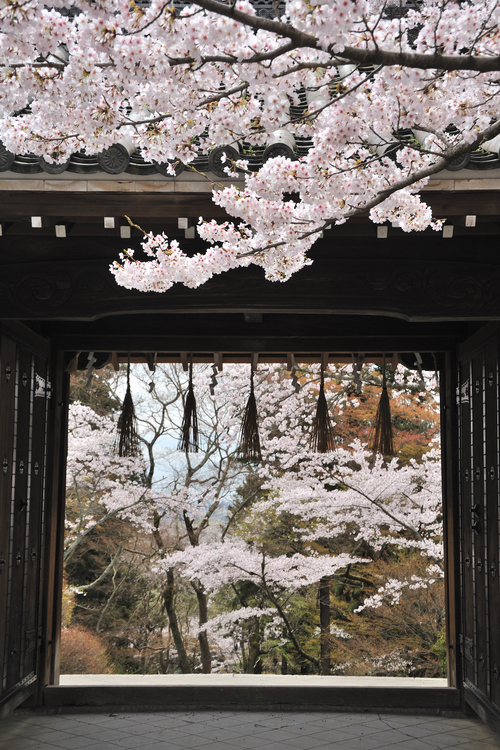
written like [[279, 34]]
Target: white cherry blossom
[[354, 77]]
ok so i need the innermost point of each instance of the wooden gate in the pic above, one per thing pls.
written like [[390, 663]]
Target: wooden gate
[[479, 493], [24, 399]]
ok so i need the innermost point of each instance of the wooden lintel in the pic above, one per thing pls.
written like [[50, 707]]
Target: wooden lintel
[[15, 205], [21, 205]]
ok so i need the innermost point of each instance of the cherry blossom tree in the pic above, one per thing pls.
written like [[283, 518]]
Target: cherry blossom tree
[[109, 512], [245, 547], [348, 493], [166, 499], [100, 484], [194, 486], [356, 103], [381, 503], [194, 495]]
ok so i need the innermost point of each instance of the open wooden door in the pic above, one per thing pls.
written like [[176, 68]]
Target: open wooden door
[[479, 494], [24, 402]]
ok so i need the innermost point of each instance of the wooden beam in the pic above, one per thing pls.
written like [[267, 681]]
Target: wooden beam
[[22, 205], [344, 282], [306, 335], [15, 205]]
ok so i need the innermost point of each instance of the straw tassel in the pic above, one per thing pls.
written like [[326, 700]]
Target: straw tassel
[[189, 437], [128, 440], [382, 441], [249, 447], [322, 431]]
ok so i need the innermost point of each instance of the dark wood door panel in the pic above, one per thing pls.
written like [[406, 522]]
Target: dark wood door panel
[[23, 441], [492, 537], [20, 512], [7, 393], [477, 521], [38, 431], [479, 440], [466, 484]]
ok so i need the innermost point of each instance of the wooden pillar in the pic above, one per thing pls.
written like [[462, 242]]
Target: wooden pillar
[[451, 525], [54, 526]]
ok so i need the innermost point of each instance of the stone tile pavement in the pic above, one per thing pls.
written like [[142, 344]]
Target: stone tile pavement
[[240, 730]]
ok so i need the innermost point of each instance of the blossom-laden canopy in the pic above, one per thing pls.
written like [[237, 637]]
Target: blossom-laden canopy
[[382, 93], [100, 484], [376, 502]]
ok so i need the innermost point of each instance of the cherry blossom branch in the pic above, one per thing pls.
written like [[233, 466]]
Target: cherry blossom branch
[[103, 575], [242, 506], [283, 615], [380, 506], [422, 61], [448, 155], [69, 551]]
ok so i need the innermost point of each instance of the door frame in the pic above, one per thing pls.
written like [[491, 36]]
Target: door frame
[[452, 697]]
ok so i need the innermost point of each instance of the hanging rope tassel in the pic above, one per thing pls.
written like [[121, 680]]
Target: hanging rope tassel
[[249, 447], [189, 430], [322, 429], [128, 440], [382, 441]]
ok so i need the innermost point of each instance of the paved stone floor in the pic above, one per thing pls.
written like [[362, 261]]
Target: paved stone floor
[[230, 730]]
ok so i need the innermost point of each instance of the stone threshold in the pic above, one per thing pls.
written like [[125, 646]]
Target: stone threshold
[[247, 680], [249, 692]]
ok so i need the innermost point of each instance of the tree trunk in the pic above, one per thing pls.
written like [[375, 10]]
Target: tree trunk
[[284, 660], [284, 664], [324, 620], [168, 598], [206, 656], [254, 661], [163, 662], [243, 655]]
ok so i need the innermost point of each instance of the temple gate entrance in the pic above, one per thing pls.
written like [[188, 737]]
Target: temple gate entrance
[[402, 295]]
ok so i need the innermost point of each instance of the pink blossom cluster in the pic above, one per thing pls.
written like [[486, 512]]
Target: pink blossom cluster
[[376, 500], [101, 484], [218, 564], [367, 494], [348, 75]]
